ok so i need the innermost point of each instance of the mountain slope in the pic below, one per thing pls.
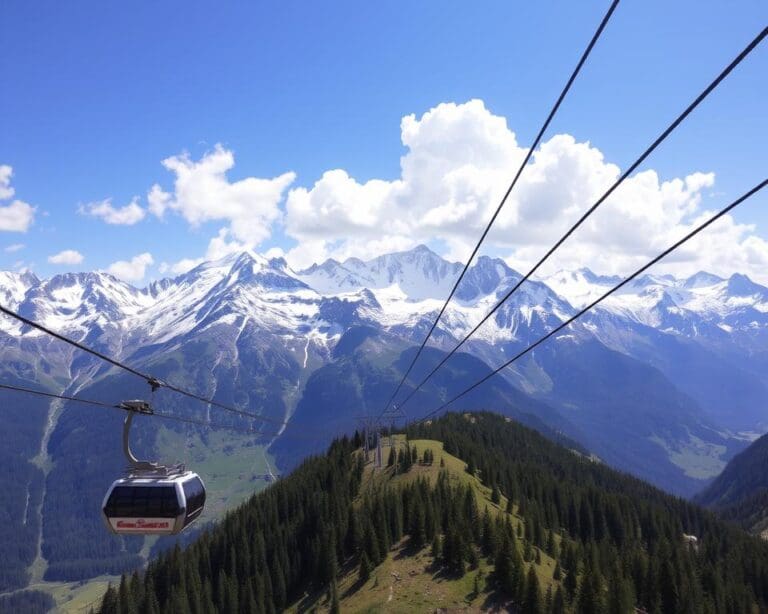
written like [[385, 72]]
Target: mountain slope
[[571, 532], [740, 492]]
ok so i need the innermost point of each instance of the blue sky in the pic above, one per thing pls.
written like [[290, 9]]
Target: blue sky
[[96, 95]]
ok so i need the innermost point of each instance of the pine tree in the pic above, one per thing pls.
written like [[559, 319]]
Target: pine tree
[[392, 457], [436, 550], [527, 552], [548, 600], [489, 535], [125, 599], [558, 603], [365, 567], [620, 597], [557, 574], [591, 593], [110, 603], [668, 589], [495, 495], [532, 601], [551, 544], [335, 608], [571, 583]]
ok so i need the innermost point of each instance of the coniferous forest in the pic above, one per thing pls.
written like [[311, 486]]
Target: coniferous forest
[[618, 543]]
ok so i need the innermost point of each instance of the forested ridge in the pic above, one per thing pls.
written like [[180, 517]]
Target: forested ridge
[[618, 543], [740, 492]]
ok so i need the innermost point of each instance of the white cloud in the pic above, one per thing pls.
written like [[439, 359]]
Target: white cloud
[[274, 252], [203, 193], [218, 247], [130, 214], [133, 269], [460, 159], [68, 256], [16, 216], [13, 248], [6, 191], [158, 200]]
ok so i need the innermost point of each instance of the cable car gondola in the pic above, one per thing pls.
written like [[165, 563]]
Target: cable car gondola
[[152, 499]]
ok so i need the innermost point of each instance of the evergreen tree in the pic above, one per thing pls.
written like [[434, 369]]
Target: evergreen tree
[[571, 582], [668, 590], [591, 593], [365, 568], [532, 600], [551, 545], [558, 603], [436, 549], [392, 457], [110, 601], [548, 600], [335, 608], [620, 597]]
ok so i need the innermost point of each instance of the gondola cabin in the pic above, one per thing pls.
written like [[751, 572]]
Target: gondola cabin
[[154, 505]]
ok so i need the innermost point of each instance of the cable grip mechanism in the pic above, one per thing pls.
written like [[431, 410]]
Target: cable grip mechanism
[[135, 407]]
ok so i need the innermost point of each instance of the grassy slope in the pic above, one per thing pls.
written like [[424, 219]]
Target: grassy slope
[[408, 581]]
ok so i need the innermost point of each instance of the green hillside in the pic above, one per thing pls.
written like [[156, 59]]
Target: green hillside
[[740, 492], [412, 578], [501, 518]]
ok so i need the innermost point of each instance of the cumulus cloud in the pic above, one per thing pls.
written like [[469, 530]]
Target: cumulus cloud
[[219, 246], [68, 256], [133, 269], [16, 216], [202, 193], [6, 191], [459, 160], [130, 214], [13, 248]]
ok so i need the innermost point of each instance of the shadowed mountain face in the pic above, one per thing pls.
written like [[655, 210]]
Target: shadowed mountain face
[[740, 492], [658, 382]]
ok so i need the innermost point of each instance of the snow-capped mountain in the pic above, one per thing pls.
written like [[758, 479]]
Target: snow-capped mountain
[[399, 294], [666, 379], [392, 290], [652, 299]]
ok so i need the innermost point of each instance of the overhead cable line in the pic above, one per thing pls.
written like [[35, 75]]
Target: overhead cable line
[[153, 382], [708, 90], [615, 288], [105, 405], [524, 163]]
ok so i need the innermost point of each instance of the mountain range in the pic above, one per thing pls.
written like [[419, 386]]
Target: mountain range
[[667, 379]]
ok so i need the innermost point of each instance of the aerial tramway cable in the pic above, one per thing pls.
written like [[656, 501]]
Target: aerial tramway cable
[[680, 118], [524, 163], [119, 406], [153, 382], [597, 301]]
